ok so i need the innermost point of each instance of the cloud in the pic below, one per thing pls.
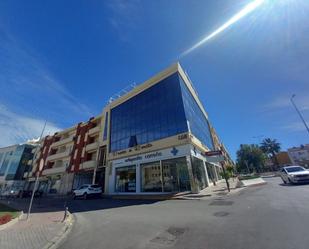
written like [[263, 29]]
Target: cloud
[[283, 102], [295, 127], [124, 16], [28, 86], [16, 128]]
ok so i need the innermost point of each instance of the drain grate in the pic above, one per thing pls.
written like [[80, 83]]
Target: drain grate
[[221, 203]]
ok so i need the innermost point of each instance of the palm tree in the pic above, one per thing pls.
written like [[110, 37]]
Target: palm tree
[[271, 147]]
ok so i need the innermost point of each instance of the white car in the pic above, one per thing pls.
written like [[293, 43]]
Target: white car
[[87, 190], [294, 174]]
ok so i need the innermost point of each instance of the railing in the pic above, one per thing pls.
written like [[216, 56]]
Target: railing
[[54, 170], [94, 130], [88, 164], [58, 155], [92, 146], [62, 142]]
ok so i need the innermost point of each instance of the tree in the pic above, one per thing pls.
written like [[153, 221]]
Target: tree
[[250, 158], [271, 147]]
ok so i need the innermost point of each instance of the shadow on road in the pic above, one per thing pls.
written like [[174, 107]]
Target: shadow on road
[[293, 185], [53, 204]]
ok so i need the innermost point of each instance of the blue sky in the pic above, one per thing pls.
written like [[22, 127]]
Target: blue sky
[[61, 60]]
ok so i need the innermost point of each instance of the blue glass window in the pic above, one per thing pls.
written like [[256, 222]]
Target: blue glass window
[[197, 122], [153, 114], [163, 110]]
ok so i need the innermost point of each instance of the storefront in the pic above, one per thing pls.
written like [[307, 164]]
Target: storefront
[[172, 170]]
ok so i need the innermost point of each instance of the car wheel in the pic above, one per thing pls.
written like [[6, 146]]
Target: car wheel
[[85, 196]]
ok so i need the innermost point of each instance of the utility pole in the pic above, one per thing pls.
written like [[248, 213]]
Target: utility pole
[[299, 113], [41, 164]]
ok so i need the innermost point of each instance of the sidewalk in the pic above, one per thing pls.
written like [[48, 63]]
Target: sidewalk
[[217, 190], [38, 232]]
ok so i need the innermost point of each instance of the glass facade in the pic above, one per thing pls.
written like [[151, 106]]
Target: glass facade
[[176, 175], [166, 109], [199, 173], [153, 114], [197, 122], [151, 177], [168, 176], [5, 163], [15, 160], [126, 179], [211, 172]]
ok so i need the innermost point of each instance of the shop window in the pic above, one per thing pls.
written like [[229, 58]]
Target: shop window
[[171, 176], [126, 179], [199, 173]]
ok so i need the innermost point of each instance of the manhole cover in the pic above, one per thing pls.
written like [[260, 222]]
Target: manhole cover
[[221, 203], [221, 214]]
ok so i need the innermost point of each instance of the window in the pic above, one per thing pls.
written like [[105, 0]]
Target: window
[[199, 173], [5, 164], [151, 177], [126, 179], [171, 176], [153, 114], [197, 122]]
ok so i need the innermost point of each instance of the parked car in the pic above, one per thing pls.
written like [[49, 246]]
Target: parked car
[[87, 190], [294, 174]]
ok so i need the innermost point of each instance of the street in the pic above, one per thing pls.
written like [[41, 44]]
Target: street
[[269, 216]]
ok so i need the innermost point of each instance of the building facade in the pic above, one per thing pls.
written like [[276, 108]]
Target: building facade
[[299, 155], [151, 140], [70, 158], [14, 166], [157, 138]]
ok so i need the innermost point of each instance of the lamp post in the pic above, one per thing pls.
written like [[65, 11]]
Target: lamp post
[[41, 165], [299, 113], [38, 173]]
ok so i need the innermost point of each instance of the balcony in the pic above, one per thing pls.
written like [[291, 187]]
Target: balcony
[[54, 170], [62, 142], [92, 146], [27, 174], [58, 156], [94, 130], [88, 164]]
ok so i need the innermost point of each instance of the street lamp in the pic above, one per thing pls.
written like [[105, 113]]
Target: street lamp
[[40, 169], [41, 165], [299, 113]]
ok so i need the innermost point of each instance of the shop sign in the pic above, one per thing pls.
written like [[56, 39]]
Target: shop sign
[[157, 155]]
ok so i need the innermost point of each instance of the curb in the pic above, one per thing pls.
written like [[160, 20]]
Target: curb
[[257, 184], [64, 232], [12, 222]]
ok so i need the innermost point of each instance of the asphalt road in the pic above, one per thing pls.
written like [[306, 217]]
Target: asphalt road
[[269, 216]]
